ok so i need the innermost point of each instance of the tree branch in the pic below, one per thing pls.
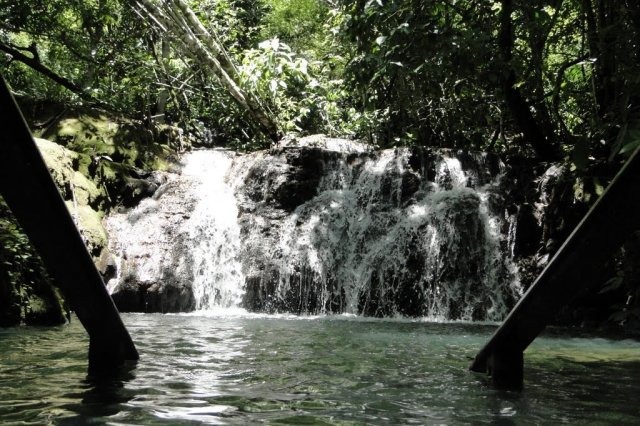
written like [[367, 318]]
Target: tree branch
[[36, 65], [558, 82]]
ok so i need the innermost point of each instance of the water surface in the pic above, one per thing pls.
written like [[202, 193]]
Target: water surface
[[248, 369]]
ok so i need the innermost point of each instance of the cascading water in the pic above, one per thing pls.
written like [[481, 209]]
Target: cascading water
[[214, 234], [316, 230], [378, 239], [186, 237]]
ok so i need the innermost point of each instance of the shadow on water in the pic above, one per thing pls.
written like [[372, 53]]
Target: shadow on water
[[564, 385], [43, 378], [101, 395]]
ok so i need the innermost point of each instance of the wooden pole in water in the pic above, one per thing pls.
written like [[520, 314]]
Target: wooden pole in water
[[32, 196], [574, 267]]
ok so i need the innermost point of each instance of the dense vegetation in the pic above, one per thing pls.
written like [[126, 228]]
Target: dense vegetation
[[550, 80]]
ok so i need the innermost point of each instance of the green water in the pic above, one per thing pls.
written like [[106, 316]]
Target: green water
[[243, 369]]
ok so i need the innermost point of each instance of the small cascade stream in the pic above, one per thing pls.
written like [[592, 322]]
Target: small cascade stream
[[321, 228], [186, 239]]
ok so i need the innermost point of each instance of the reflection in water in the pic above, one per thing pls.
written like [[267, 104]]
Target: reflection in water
[[109, 389], [245, 369]]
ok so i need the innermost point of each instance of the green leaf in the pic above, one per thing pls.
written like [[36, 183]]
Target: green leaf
[[630, 147], [380, 40]]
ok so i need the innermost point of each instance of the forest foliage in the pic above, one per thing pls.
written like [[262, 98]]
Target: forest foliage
[[551, 80]]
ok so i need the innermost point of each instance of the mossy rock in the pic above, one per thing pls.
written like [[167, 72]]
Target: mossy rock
[[98, 134], [85, 191], [71, 183], [95, 160], [59, 162], [45, 309], [89, 223], [91, 134]]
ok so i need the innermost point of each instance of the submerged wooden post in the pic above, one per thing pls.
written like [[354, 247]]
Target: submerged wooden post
[[574, 267], [31, 194]]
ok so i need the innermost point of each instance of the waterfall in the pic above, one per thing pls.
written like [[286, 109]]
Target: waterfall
[[326, 227], [213, 231], [186, 235], [379, 240]]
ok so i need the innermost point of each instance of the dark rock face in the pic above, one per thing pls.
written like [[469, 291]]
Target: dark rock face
[[302, 177], [528, 232], [287, 177], [135, 190], [373, 232], [129, 296], [166, 296]]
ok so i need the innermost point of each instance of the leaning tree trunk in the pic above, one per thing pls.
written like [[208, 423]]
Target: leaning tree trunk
[[164, 95], [177, 18]]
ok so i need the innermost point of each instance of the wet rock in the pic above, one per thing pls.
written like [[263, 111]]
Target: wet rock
[[169, 297], [128, 296], [137, 189], [171, 294], [305, 167], [528, 232], [370, 234], [410, 185]]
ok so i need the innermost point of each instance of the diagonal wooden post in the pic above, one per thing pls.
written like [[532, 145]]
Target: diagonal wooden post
[[31, 194], [614, 216]]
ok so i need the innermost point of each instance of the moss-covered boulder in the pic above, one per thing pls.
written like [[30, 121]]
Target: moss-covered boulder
[[117, 155], [71, 183], [94, 135], [89, 223], [82, 196], [97, 161]]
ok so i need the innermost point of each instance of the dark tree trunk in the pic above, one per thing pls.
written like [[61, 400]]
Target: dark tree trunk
[[539, 137], [601, 38], [32, 196]]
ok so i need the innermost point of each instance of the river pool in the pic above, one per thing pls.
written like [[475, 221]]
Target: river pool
[[238, 368]]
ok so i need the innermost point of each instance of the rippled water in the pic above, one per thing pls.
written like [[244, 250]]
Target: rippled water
[[244, 369]]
